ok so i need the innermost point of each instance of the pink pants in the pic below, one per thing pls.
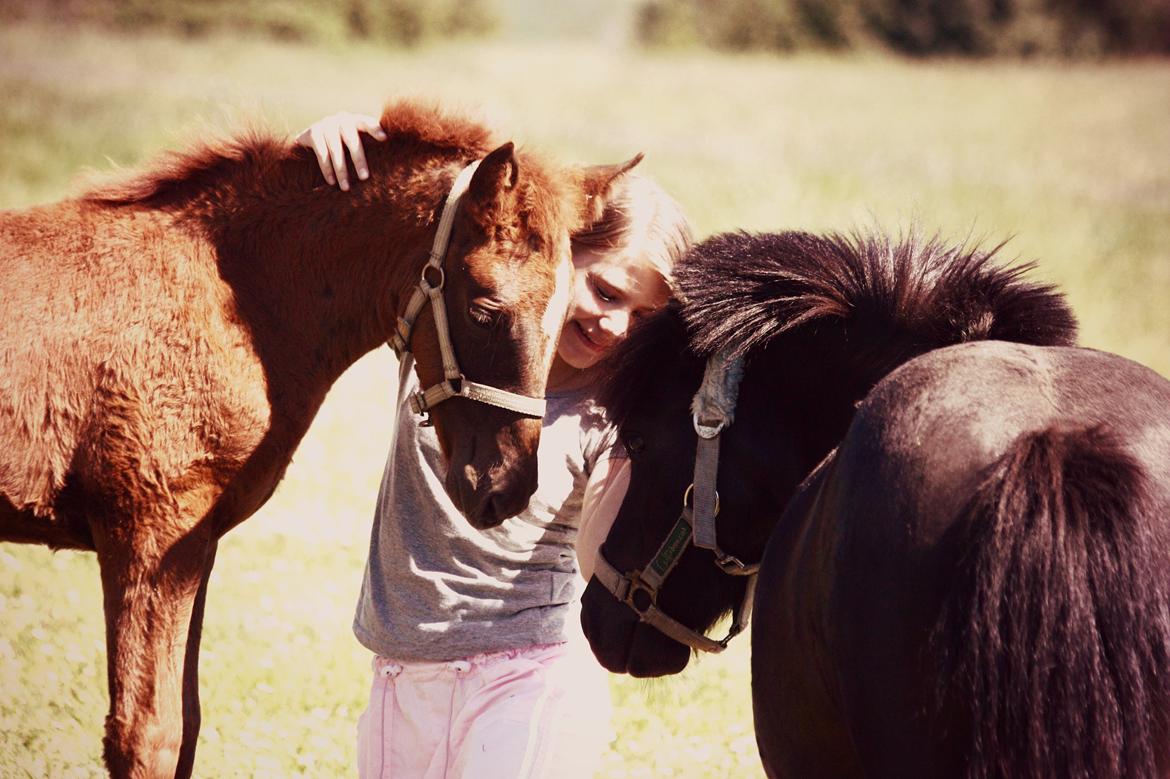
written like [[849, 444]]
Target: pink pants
[[541, 711]]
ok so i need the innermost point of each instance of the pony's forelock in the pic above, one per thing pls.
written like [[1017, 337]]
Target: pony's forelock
[[640, 362]]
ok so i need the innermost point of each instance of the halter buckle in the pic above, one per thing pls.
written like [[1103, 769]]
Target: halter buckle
[[418, 402], [730, 564], [732, 632], [707, 428]]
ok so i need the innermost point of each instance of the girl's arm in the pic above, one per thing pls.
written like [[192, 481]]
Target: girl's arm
[[604, 492], [331, 136]]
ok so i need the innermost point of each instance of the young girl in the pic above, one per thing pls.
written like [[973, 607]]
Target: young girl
[[481, 669]]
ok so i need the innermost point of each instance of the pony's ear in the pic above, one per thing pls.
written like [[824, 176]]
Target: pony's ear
[[597, 181], [492, 184]]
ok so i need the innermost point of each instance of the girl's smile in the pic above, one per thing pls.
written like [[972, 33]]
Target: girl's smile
[[610, 293]]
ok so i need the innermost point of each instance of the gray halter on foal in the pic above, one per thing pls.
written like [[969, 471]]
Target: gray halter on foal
[[454, 383], [713, 407]]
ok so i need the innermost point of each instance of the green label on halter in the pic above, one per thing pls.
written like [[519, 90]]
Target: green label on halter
[[672, 548]]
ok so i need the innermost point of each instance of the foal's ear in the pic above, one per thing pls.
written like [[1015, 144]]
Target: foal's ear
[[492, 183], [597, 182]]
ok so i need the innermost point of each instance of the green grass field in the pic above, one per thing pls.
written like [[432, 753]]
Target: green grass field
[[1072, 162]]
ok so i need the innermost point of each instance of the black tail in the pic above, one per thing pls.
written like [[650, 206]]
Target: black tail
[[1056, 639]]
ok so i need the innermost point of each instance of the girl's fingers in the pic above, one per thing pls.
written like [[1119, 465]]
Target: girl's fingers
[[349, 134], [330, 137], [373, 127], [337, 157], [317, 141]]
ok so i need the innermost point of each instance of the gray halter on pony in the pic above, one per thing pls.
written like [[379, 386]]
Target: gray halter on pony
[[713, 410]]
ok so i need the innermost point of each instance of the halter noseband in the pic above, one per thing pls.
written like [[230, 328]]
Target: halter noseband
[[430, 289], [714, 407]]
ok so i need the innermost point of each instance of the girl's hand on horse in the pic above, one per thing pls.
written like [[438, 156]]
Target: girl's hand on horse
[[329, 137]]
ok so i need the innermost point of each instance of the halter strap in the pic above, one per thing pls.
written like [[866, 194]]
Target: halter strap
[[713, 410], [429, 289], [626, 588]]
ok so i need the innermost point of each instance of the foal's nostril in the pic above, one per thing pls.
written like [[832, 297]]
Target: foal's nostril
[[489, 517], [502, 505]]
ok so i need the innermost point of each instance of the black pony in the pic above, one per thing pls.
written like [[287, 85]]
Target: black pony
[[967, 568]]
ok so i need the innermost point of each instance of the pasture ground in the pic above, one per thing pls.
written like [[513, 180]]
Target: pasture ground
[[1071, 162]]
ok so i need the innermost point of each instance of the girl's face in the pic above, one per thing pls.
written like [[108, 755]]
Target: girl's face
[[611, 291]]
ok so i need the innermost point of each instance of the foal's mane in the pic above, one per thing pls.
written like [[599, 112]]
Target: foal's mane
[[175, 174], [869, 300]]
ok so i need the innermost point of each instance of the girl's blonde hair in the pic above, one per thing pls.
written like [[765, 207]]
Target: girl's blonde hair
[[640, 214]]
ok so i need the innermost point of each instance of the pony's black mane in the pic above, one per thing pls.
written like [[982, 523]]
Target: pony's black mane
[[744, 290], [643, 361], [888, 301]]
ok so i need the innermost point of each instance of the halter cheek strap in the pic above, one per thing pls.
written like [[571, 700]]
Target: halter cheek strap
[[430, 290], [713, 409]]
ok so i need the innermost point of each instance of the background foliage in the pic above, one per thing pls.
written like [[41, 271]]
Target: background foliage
[[1076, 28], [1068, 160], [982, 28], [386, 21]]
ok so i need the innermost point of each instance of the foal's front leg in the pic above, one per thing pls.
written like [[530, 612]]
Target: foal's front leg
[[150, 580]]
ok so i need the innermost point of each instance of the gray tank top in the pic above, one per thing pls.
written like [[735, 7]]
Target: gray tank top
[[437, 589]]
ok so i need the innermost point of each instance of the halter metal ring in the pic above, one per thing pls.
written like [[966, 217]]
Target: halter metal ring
[[638, 586], [426, 283], [690, 493], [705, 430]]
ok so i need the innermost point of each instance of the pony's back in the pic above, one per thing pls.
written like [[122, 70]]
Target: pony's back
[[1001, 566]]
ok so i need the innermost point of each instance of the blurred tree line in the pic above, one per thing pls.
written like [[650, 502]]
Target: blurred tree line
[[385, 21], [1073, 28]]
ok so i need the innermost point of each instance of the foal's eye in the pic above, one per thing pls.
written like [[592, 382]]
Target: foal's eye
[[484, 316]]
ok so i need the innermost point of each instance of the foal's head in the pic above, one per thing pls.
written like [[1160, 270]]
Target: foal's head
[[506, 283], [820, 321]]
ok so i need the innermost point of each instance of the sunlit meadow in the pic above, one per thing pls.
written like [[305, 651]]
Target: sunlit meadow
[[1071, 162]]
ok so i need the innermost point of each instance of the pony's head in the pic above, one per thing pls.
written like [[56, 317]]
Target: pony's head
[[819, 321]]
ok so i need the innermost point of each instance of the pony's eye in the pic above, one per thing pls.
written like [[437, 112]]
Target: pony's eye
[[634, 444], [484, 316]]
